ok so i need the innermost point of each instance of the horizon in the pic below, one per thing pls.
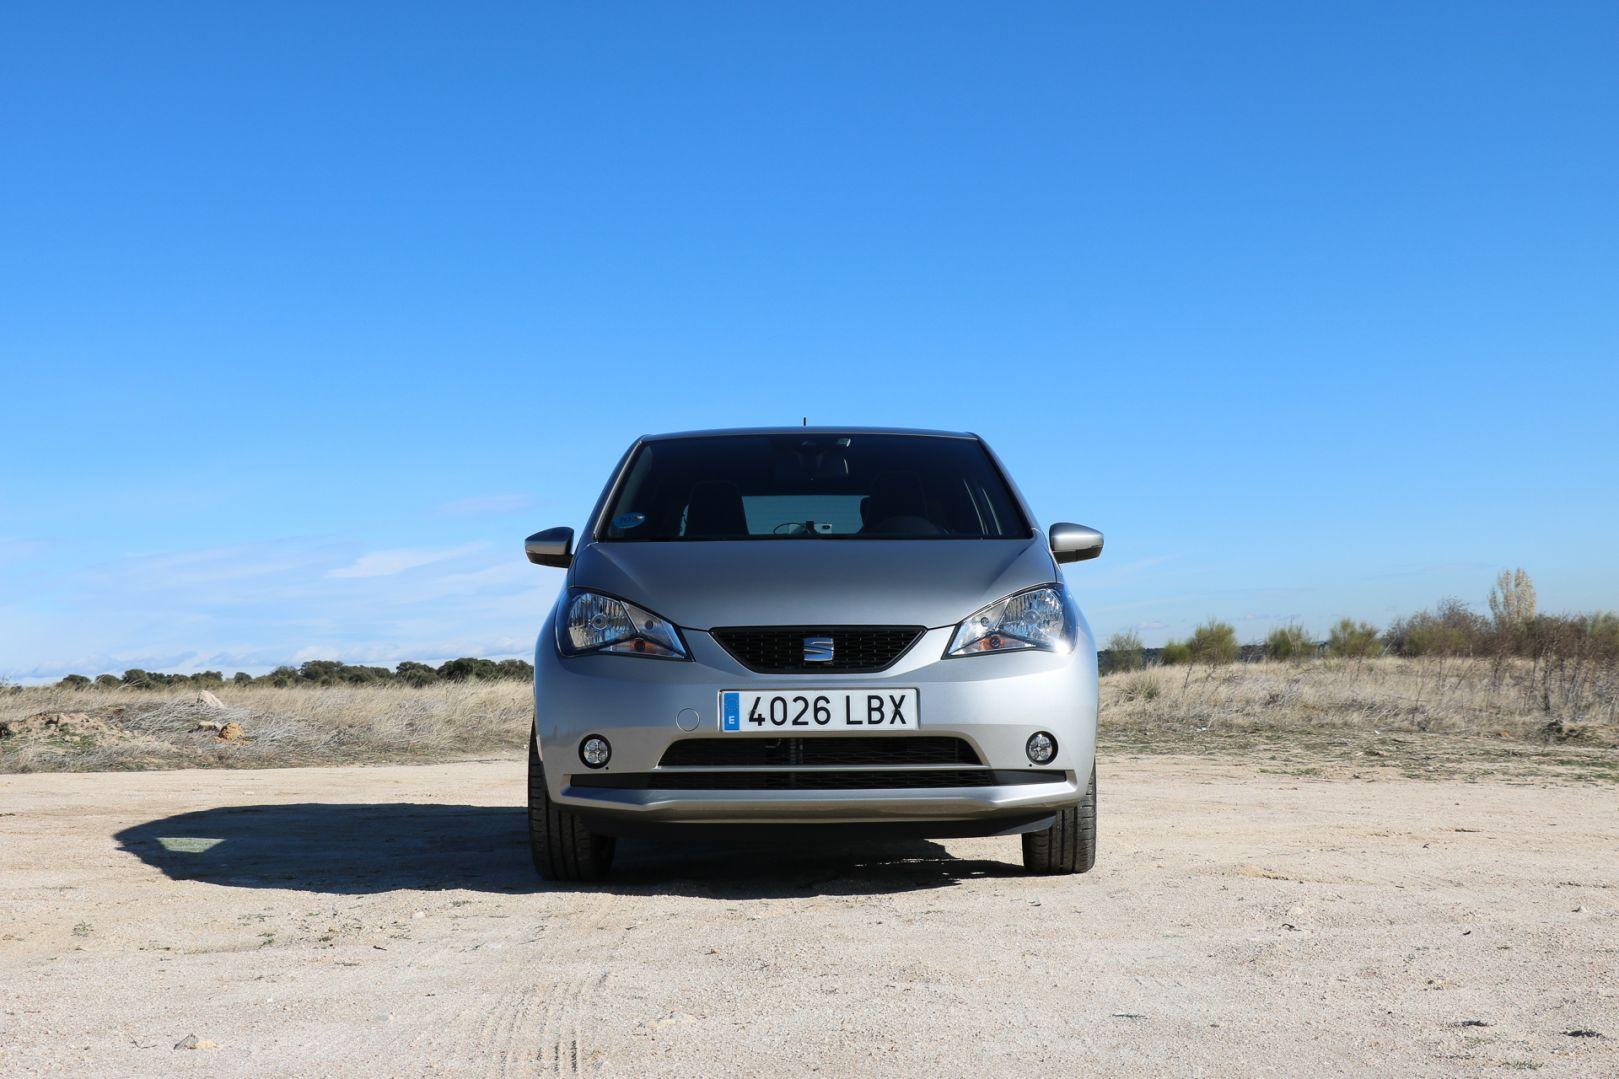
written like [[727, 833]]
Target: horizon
[[1248, 651], [313, 315]]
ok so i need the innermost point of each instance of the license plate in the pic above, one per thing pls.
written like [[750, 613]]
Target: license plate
[[829, 710]]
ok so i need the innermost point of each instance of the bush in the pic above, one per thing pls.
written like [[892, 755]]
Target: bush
[[485, 670], [282, 677], [1174, 652], [1602, 631], [1141, 687], [415, 674], [1571, 638], [517, 670], [334, 672], [1450, 629], [1289, 644], [322, 672], [1123, 652], [1213, 643], [1350, 639], [466, 669]]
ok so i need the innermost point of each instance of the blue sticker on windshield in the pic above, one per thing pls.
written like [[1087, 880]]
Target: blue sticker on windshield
[[629, 520]]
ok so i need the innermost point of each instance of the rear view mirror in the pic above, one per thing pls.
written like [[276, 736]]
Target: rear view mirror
[[553, 547], [1074, 543]]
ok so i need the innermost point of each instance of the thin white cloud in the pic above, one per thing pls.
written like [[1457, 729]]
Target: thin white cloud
[[400, 559], [169, 570], [19, 550]]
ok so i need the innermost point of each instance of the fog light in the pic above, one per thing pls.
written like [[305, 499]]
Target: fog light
[[595, 751], [1041, 747]]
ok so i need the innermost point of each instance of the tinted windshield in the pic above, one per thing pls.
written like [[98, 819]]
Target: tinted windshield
[[814, 486]]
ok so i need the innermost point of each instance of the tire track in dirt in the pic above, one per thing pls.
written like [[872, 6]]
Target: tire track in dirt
[[538, 1023], [1442, 927]]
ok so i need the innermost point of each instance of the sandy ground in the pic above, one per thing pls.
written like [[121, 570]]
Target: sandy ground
[[386, 921]]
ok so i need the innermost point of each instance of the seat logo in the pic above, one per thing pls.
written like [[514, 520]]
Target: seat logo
[[817, 649]]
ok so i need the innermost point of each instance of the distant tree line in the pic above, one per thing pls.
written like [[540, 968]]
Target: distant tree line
[[1514, 628], [320, 672]]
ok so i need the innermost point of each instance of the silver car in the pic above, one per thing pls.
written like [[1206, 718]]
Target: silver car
[[850, 628]]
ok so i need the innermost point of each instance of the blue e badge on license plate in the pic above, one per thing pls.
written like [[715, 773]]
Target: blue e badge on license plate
[[731, 712]]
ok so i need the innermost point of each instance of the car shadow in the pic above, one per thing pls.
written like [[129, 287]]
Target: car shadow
[[364, 849]]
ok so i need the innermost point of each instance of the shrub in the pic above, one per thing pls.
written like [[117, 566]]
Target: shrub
[[1174, 652], [334, 672], [1124, 651], [282, 677], [466, 669], [517, 670], [136, 678], [415, 674], [1213, 643], [1289, 644], [1602, 630], [74, 681], [242, 678], [321, 672], [1449, 630], [1350, 639], [1141, 687], [108, 681]]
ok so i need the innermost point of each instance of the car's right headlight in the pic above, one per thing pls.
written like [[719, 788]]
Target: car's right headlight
[[594, 623], [1037, 619]]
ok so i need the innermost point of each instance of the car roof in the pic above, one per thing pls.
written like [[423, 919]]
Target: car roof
[[724, 432]]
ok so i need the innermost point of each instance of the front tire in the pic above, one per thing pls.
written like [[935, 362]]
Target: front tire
[[563, 848], [1069, 845]]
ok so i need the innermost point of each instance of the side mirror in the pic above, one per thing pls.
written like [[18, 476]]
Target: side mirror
[[553, 547], [1074, 543]]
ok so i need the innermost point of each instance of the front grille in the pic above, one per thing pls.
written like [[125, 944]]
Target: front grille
[[762, 780], [780, 649], [824, 750]]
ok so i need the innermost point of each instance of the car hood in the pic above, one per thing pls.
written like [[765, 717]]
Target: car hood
[[699, 585]]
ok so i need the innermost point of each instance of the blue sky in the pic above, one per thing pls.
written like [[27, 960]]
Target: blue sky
[[308, 313]]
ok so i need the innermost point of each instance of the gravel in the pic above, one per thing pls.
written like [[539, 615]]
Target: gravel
[[386, 921]]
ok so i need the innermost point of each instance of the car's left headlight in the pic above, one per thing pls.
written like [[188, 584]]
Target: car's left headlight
[[1040, 618], [594, 623]]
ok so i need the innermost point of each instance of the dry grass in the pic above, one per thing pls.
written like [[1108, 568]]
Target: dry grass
[[1417, 715], [1421, 716], [284, 727]]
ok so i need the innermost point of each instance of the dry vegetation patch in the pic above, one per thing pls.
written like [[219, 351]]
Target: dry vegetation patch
[[1421, 716], [1424, 716], [276, 727]]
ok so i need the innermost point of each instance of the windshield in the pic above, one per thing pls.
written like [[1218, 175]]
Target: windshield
[[812, 486]]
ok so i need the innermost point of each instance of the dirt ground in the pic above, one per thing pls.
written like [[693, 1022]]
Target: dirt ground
[[386, 921]]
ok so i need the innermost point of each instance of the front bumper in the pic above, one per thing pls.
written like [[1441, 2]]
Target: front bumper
[[993, 702]]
